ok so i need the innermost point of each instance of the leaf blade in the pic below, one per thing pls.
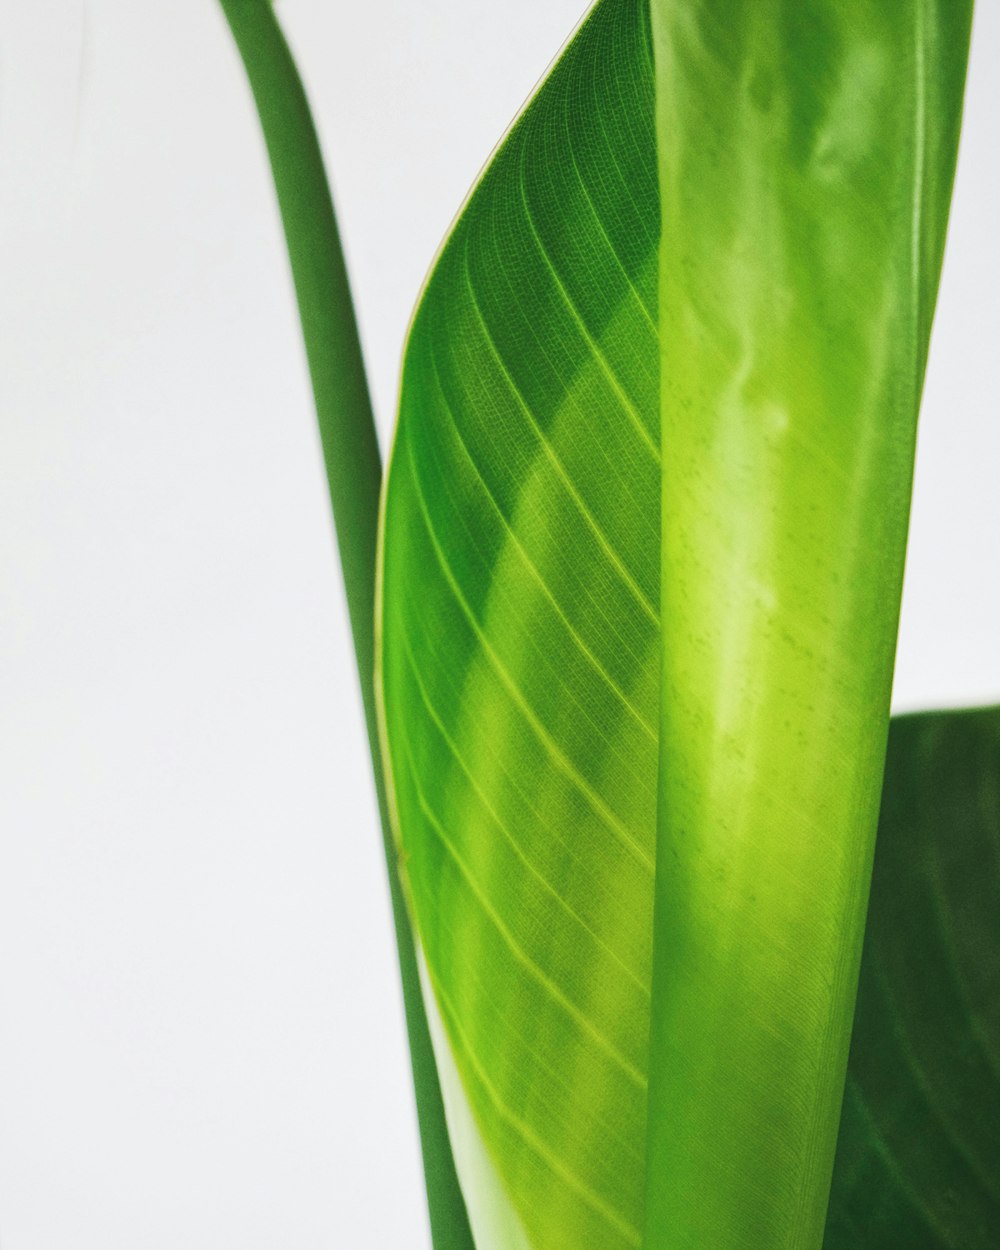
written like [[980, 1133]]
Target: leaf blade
[[919, 1150], [798, 272], [521, 686], [489, 484]]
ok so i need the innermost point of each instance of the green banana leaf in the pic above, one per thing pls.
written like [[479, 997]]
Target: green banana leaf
[[615, 681]]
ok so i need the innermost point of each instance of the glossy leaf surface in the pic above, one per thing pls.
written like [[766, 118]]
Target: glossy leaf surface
[[522, 650], [806, 155]]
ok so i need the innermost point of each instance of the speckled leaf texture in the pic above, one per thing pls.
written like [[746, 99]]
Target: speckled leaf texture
[[642, 547]]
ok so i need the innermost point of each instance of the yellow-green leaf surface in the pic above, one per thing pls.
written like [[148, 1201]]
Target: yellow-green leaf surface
[[806, 153], [730, 247]]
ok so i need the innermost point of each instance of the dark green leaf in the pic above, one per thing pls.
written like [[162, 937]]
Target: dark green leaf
[[918, 1161]]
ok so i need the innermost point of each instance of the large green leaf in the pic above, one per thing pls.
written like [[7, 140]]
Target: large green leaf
[[806, 152], [918, 1161], [775, 332], [520, 639]]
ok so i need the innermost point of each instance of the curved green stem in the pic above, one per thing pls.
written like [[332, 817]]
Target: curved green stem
[[354, 472]]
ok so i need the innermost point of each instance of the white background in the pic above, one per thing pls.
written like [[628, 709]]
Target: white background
[[200, 1037]]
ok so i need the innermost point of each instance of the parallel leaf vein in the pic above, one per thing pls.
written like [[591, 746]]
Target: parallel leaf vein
[[597, 352], [537, 577], [515, 845], [609, 1213], [580, 1018], [560, 469], [562, 762]]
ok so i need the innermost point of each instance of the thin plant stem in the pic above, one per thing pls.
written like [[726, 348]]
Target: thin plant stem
[[354, 472]]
